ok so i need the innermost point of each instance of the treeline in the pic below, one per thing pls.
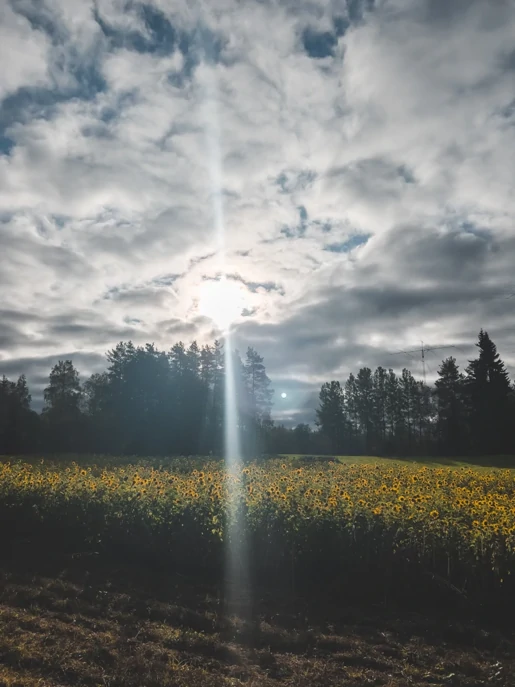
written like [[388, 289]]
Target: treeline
[[387, 414], [147, 402], [152, 402]]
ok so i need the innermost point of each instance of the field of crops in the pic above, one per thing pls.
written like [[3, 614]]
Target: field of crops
[[369, 525]]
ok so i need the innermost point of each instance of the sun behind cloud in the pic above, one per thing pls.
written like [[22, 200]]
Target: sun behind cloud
[[222, 300]]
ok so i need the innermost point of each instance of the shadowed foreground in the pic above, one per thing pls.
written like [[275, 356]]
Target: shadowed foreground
[[80, 623]]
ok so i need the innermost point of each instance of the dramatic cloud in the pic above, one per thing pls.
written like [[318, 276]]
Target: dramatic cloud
[[349, 165]]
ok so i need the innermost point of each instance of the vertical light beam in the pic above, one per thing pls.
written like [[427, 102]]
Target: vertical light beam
[[237, 591], [237, 577]]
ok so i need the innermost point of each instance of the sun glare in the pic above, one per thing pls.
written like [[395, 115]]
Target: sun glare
[[222, 300]]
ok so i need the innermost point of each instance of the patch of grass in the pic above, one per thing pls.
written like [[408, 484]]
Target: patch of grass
[[480, 462], [124, 627]]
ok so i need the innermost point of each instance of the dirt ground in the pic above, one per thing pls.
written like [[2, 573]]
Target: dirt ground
[[84, 624]]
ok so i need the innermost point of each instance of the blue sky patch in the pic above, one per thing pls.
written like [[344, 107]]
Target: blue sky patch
[[347, 246], [319, 45], [341, 24], [289, 181], [358, 8], [38, 16], [6, 144], [300, 229], [162, 38]]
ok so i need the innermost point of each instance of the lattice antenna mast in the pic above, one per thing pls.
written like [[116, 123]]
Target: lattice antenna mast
[[422, 350]]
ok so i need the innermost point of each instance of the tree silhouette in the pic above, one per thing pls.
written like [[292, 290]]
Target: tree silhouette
[[451, 425], [331, 414], [257, 401], [18, 424], [151, 402], [62, 410], [489, 392]]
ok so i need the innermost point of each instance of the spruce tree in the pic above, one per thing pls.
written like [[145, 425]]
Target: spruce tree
[[489, 392], [331, 415], [451, 421]]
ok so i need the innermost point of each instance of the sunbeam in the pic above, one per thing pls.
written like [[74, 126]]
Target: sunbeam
[[222, 300]]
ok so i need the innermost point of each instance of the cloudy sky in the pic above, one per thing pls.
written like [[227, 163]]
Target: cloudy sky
[[349, 164]]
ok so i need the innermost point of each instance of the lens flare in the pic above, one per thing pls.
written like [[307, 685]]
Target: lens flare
[[222, 300]]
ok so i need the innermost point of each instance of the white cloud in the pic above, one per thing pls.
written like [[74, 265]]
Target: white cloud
[[23, 53], [108, 197]]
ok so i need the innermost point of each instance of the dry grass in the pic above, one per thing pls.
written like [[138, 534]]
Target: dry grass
[[101, 626]]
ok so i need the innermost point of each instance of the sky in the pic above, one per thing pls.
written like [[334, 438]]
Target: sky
[[347, 164]]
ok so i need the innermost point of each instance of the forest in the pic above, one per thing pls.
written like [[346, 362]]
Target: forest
[[153, 402]]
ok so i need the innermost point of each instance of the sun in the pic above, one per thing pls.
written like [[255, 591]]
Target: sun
[[222, 300]]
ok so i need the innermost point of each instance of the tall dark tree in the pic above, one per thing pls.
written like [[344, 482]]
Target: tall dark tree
[[408, 402], [258, 397], [394, 419], [380, 405], [62, 410], [489, 392], [331, 415], [216, 411], [302, 438], [353, 436], [423, 418], [451, 408], [188, 409], [365, 407], [18, 424], [63, 394], [258, 384]]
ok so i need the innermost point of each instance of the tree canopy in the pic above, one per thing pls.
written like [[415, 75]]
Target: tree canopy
[[153, 402]]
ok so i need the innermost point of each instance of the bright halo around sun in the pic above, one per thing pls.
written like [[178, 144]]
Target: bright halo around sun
[[222, 300]]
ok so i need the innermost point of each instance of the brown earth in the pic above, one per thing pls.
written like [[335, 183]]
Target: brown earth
[[86, 624]]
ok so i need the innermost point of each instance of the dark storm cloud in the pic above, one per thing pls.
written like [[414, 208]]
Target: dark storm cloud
[[440, 255]]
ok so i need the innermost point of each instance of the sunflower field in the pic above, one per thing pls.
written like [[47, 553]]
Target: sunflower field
[[357, 526]]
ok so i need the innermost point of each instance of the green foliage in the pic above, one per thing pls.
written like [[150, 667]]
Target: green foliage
[[349, 522]]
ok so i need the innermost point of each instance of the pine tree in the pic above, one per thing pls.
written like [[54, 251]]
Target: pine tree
[[331, 415], [18, 423], [365, 407], [423, 417], [394, 419], [259, 394], [489, 392], [380, 405], [62, 409], [408, 400], [353, 440], [63, 393], [216, 410], [451, 422]]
